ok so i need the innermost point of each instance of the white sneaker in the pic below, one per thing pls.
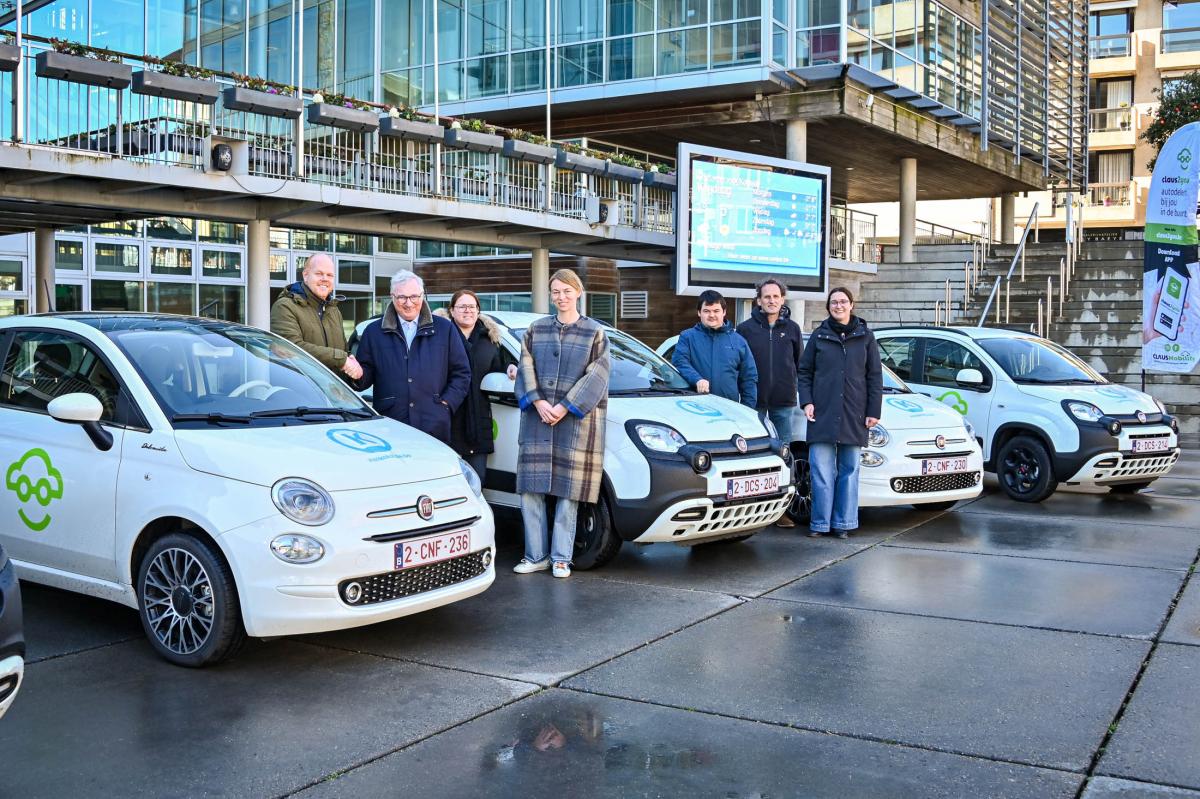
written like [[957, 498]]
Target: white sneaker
[[562, 569], [528, 567]]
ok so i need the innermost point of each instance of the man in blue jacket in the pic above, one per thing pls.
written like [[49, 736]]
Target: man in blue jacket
[[415, 360], [713, 358]]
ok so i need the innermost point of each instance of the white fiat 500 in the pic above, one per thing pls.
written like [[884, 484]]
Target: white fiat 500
[[679, 467], [224, 483]]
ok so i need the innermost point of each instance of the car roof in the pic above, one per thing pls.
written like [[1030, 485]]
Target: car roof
[[123, 320], [976, 333]]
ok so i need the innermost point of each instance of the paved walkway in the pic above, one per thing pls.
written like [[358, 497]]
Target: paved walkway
[[997, 650]]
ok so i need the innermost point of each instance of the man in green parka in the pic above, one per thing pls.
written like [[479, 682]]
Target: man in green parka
[[307, 315]]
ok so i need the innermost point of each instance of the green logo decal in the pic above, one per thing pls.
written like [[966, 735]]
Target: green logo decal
[[1174, 287], [34, 477], [955, 401], [1185, 158], [495, 430]]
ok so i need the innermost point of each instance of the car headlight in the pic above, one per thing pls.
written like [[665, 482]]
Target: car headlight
[[302, 501], [771, 431], [1161, 408], [297, 548], [877, 436], [868, 458], [660, 438], [970, 428], [471, 478], [1084, 411]]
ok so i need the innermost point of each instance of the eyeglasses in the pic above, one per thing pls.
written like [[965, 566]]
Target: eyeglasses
[[467, 308], [839, 302], [407, 298]]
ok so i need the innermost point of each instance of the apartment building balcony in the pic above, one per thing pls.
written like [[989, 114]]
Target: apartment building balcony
[[1105, 205], [1112, 55], [1178, 48], [1113, 128]]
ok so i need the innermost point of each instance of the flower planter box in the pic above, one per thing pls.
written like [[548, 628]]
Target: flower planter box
[[10, 57], [80, 69], [411, 130], [339, 116], [475, 142], [528, 151], [579, 163], [175, 87], [625, 174], [239, 98], [659, 180]]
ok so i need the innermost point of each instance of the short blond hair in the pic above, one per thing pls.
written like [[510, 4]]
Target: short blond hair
[[569, 277]]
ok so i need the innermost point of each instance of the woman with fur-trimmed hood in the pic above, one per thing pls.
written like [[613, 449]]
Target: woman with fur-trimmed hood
[[471, 433]]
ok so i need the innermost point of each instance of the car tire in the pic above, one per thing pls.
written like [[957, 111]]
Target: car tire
[[179, 577], [1024, 469], [596, 542], [799, 509], [1130, 488], [936, 505]]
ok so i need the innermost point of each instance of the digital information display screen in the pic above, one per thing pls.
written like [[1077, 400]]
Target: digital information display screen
[[745, 217]]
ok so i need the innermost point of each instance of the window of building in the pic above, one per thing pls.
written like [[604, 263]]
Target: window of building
[[1109, 103], [68, 254], [220, 232], [113, 257], [68, 297], [116, 295], [352, 272], [172, 228], [221, 263], [1181, 26], [1108, 33], [223, 302], [1110, 174], [12, 274], [178, 298], [175, 261]]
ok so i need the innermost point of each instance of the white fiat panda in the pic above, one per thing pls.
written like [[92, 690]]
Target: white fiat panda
[[679, 467], [224, 483]]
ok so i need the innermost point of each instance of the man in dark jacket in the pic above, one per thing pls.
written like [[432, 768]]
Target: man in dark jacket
[[307, 315], [713, 358], [416, 361]]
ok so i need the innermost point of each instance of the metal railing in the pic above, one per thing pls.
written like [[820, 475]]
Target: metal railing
[[1105, 194], [1179, 40], [1113, 45], [120, 123], [1104, 120], [852, 237], [933, 233]]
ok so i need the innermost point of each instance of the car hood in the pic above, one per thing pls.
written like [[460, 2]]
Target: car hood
[[1110, 399], [697, 418], [338, 457], [918, 412]]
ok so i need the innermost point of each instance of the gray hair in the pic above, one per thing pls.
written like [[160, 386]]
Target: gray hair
[[403, 276]]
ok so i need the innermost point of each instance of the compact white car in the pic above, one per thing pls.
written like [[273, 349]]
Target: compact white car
[[1043, 415], [921, 453], [223, 482], [679, 467]]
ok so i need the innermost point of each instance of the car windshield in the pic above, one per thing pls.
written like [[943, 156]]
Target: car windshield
[[1036, 361], [636, 369], [215, 373], [893, 384]]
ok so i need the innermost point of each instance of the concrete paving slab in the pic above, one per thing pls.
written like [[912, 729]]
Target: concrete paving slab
[[561, 743], [1177, 487], [534, 627], [951, 685], [1159, 735], [119, 721], [876, 524], [60, 622], [1184, 626], [1056, 595], [1108, 788], [1112, 509], [748, 568], [1056, 539]]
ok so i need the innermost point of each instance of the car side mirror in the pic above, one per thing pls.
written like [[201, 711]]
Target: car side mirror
[[497, 383], [84, 410], [971, 378]]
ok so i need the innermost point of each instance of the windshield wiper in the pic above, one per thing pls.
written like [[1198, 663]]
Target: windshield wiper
[[894, 390], [1062, 381], [211, 418], [357, 413]]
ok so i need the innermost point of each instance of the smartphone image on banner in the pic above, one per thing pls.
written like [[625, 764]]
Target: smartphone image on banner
[[1170, 304]]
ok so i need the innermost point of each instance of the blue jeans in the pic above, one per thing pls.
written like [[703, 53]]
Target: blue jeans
[[834, 472], [533, 512], [782, 419]]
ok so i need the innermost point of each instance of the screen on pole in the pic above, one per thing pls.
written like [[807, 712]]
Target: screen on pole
[[744, 217]]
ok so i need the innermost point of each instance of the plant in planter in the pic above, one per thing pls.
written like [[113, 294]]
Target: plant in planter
[[175, 80], [577, 159], [474, 135], [340, 111], [10, 54], [77, 63], [624, 168], [522, 145], [259, 96], [407, 124]]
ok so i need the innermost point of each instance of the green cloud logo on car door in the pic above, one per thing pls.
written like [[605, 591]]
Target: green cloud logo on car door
[[955, 401], [33, 477]]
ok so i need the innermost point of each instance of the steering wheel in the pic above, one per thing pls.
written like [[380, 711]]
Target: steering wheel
[[249, 384]]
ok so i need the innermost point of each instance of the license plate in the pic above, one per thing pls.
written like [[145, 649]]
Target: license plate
[[1151, 444], [421, 551], [738, 487], [943, 465]]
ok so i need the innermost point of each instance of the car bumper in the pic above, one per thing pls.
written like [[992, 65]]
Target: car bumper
[[705, 518], [278, 598], [1114, 468], [12, 640], [12, 670], [898, 480]]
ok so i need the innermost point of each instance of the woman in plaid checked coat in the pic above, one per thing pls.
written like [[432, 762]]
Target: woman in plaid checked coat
[[562, 389]]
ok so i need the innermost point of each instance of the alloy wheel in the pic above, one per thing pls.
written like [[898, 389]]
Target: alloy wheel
[[178, 600]]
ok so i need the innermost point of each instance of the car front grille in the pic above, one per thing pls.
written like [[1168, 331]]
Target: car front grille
[[935, 482], [419, 579]]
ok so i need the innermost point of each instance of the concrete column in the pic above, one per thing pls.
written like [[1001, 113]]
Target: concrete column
[[258, 274], [1008, 212], [797, 140], [796, 308], [908, 208], [43, 270], [541, 280]]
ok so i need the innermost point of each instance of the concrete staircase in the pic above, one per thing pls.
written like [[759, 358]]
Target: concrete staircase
[[1101, 318]]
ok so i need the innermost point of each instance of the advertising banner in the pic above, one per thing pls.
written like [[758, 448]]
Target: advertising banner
[[1170, 295]]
